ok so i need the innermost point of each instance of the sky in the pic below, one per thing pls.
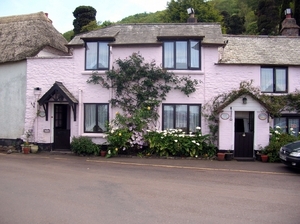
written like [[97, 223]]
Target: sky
[[61, 11]]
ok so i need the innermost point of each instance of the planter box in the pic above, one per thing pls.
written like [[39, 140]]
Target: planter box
[[228, 156]]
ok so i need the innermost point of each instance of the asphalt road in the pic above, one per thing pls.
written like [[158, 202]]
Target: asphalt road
[[50, 188]]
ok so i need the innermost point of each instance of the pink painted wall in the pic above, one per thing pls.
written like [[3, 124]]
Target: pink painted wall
[[214, 79]]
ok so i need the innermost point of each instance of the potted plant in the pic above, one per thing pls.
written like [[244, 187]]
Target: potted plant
[[228, 155], [258, 155], [103, 150], [221, 156], [264, 156], [34, 148], [26, 146]]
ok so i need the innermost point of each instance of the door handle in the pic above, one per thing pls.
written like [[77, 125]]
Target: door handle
[[244, 135]]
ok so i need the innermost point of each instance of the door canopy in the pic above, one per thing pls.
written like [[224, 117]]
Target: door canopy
[[58, 93]]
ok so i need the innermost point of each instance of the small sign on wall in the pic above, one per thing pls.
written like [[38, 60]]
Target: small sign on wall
[[262, 116], [224, 116]]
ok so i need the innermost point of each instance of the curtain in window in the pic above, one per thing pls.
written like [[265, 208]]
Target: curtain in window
[[169, 55], [281, 122], [266, 80], [181, 117], [102, 117], [181, 55], [103, 55], [90, 117], [280, 80], [194, 51], [91, 55], [293, 126], [194, 118], [168, 117]]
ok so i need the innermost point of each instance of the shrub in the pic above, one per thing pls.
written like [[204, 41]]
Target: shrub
[[84, 145], [175, 142], [278, 139]]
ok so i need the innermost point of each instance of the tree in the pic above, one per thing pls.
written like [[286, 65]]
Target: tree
[[268, 17], [297, 11], [157, 17], [176, 11], [234, 24], [83, 16]]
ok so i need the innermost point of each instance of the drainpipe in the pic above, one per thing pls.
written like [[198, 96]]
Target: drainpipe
[[37, 93], [80, 113]]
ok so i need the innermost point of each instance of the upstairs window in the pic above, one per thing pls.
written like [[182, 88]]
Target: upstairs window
[[97, 56], [181, 116], [182, 54], [273, 80]]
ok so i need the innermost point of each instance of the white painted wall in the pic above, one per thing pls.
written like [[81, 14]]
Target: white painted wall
[[226, 127], [12, 99]]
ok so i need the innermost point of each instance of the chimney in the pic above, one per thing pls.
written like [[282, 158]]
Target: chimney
[[49, 20], [289, 25], [192, 18]]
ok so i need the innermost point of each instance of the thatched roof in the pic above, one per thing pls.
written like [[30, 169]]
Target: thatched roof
[[260, 50], [25, 36], [127, 34]]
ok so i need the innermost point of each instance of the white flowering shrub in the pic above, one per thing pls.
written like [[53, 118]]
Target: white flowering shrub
[[175, 142]]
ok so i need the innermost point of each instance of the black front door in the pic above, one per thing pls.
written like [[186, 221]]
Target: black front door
[[244, 136], [61, 127]]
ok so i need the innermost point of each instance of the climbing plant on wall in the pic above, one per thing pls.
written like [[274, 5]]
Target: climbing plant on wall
[[138, 90], [274, 104]]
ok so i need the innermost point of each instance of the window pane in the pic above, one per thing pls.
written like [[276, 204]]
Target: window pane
[[281, 122], [91, 55], [168, 117], [181, 117], [266, 80], [102, 117], [195, 53], [280, 80], [194, 118], [181, 55], [293, 126], [90, 117], [103, 55], [169, 55]]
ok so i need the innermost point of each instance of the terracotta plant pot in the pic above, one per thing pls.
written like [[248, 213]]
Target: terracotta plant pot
[[103, 153], [221, 156], [26, 149], [264, 158]]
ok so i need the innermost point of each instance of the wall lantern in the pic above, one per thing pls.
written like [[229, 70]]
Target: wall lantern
[[244, 100]]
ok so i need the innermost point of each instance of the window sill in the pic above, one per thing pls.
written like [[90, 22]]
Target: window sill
[[95, 135], [187, 72], [101, 72]]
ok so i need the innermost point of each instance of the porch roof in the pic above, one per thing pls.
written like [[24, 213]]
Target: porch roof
[[58, 93]]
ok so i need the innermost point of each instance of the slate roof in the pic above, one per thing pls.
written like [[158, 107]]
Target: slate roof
[[262, 50], [25, 36], [153, 33]]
